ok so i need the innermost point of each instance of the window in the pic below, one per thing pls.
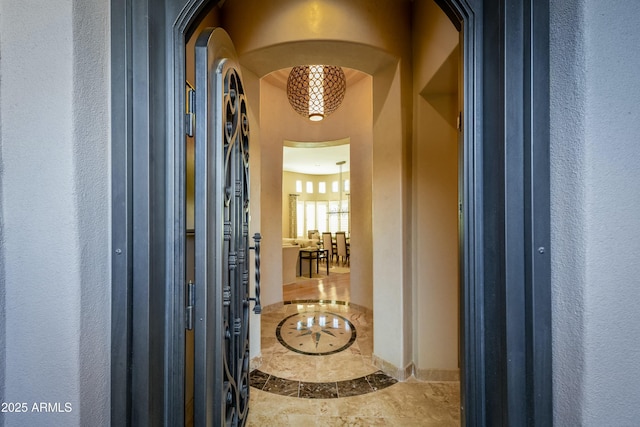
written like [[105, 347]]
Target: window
[[311, 216], [323, 216], [334, 187], [322, 208], [298, 186], [334, 221], [344, 216], [346, 185]]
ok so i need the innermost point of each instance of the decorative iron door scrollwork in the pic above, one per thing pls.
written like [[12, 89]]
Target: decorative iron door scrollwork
[[222, 236]]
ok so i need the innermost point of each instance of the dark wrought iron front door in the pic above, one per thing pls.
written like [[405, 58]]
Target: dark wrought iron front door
[[222, 297]]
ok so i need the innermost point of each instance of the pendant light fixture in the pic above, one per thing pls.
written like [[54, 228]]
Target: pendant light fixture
[[315, 91]]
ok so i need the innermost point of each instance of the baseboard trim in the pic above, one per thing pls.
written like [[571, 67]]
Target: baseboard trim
[[255, 363], [410, 371], [391, 369]]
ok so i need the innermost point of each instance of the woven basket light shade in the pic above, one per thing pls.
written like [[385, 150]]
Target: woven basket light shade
[[315, 91]]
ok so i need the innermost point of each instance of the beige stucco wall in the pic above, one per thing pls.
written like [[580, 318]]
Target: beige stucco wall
[[435, 192], [253, 94], [360, 177]]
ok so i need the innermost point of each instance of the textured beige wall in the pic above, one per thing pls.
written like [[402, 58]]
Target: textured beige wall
[[392, 315], [435, 194], [360, 175], [270, 195], [252, 90]]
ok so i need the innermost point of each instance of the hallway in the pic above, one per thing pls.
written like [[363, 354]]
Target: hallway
[[317, 367]]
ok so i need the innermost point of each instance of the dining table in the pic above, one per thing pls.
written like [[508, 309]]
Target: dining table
[[310, 254]]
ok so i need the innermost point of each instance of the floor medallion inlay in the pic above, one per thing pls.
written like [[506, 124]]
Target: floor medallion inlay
[[297, 385], [316, 333]]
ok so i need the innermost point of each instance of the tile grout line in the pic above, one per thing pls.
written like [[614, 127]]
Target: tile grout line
[[366, 377]]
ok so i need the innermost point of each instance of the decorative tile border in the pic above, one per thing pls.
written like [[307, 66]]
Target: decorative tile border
[[358, 307], [316, 301], [272, 308], [329, 390]]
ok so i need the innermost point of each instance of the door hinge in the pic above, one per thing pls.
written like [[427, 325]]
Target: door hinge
[[190, 117], [459, 121], [190, 301]]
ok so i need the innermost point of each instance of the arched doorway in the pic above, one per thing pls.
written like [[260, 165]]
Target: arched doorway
[[506, 320]]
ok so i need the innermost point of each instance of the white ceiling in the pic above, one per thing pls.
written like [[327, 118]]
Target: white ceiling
[[316, 161]]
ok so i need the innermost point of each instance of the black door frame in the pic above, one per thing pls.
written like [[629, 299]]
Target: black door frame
[[506, 298]]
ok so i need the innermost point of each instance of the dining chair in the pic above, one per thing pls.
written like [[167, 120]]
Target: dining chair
[[342, 248], [327, 244]]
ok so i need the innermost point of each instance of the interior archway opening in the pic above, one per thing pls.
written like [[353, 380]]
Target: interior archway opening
[[395, 279]]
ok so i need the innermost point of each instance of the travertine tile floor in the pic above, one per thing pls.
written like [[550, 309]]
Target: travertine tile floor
[[316, 368], [404, 404]]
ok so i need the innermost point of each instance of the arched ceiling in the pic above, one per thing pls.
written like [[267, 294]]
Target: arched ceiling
[[345, 54], [316, 159]]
